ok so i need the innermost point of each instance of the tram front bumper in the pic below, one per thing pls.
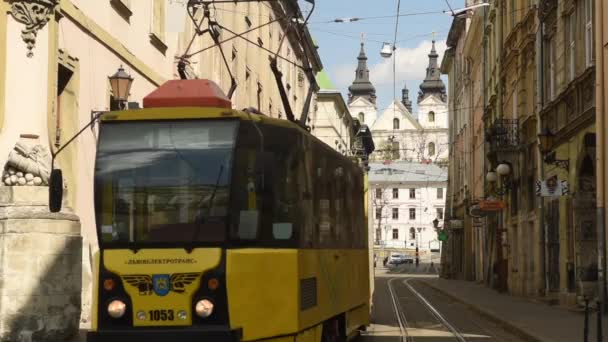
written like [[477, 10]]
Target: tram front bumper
[[164, 335]]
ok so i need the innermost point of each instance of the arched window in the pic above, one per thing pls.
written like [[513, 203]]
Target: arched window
[[361, 118], [431, 149], [395, 123], [412, 233], [431, 116]]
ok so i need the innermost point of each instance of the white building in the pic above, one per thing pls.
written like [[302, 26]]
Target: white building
[[331, 121], [406, 198], [399, 134]]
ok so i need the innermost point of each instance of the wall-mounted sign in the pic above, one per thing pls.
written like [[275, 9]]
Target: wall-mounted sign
[[455, 224], [552, 187], [476, 212], [491, 205]]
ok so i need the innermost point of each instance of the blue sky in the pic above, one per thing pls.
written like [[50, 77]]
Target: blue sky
[[339, 43]]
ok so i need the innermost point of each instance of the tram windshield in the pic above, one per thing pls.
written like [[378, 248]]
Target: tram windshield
[[164, 181]]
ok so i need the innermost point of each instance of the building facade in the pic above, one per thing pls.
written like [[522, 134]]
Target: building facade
[[400, 134], [535, 75], [54, 76], [405, 199]]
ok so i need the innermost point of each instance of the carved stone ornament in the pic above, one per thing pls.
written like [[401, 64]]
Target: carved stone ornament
[[29, 163], [34, 14]]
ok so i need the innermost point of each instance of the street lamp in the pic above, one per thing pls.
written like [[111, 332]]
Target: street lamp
[[386, 51], [121, 83], [546, 139]]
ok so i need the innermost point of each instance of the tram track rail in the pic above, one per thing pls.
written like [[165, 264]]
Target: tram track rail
[[401, 316]]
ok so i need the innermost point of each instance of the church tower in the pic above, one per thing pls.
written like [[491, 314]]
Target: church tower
[[362, 94], [405, 98], [432, 85], [361, 86]]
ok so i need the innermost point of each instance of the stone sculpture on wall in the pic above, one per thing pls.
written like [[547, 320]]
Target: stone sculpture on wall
[[34, 14], [28, 164]]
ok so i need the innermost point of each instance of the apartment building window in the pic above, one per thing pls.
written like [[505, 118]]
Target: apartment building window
[[412, 233], [395, 123], [431, 149], [378, 193], [440, 213], [378, 213], [395, 193], [123, 8], [395, 213], [378, 234], [157, 36], [439, 193], [412, 213], [412, 193], [513, 14], [514, 99], [395, 234], [571, 36], [589, 48], [550, 64]]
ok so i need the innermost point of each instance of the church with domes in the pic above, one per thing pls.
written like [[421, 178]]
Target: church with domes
[[399, 134]]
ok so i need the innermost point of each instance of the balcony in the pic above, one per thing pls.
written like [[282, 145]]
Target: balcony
[[503, 135]]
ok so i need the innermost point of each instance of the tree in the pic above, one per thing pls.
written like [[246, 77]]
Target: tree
[[380, 201]]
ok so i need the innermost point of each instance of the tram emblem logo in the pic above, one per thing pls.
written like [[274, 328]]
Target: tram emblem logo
[[160, 284]]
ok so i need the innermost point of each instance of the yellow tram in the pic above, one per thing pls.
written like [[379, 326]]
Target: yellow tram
[[223, 225]]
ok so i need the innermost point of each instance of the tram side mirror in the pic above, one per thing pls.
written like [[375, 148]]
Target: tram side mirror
[[55, 190]]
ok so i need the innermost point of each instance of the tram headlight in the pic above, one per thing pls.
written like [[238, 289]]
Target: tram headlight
[[204, 308], [117, 308]]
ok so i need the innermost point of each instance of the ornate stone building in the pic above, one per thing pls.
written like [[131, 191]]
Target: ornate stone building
[[398, 132], [537, 86]]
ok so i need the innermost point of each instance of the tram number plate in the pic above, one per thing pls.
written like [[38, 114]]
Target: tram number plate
[[161, 315]]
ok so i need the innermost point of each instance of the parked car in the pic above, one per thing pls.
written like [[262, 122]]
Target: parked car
[[400, 258], [397, 259]]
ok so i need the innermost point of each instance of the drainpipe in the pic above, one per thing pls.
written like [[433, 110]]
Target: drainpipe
[[541, 164], [601, 160]]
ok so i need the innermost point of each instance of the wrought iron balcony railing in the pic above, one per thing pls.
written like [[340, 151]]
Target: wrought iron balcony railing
[[503, 135]]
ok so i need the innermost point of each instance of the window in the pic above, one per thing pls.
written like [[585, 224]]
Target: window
[[431, 149], [395, 150], [395, 193], [395, 123], [571, 37], [378, 213], [513, 14], [378, 193], [412, 213], [589, 48], [412, 233], [361, 118], [550, 68], [378, 234], [395, 213], [157, 36], [514, 100], [440, 213], [395, 234], [412, 193], [123, 8], [431, 116], [439, 193]]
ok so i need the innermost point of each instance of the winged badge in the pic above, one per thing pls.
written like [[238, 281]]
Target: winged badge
[[161, 284]]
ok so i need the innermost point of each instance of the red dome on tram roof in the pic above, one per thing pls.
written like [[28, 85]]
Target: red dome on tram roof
[[188, 93]]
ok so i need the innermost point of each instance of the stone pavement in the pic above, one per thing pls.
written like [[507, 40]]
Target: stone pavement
[[530, 320]]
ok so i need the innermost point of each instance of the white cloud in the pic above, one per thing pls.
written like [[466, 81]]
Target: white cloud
[[411, 64]]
